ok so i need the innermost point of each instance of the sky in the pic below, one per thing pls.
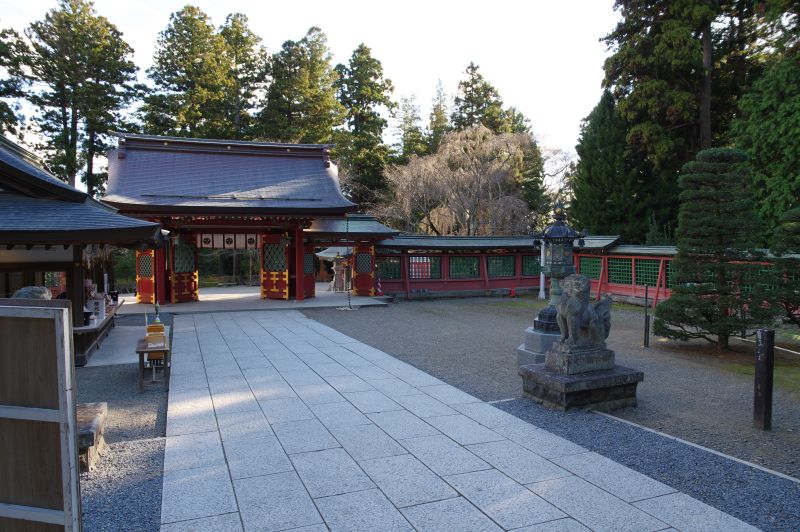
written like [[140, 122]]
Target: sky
[[544, 56]]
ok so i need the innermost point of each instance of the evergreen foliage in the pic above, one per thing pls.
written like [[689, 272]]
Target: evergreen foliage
[[191, 78], [714, 290], [612, 194], [477, 102], [301, 104], [412, 141], [438, 120], [784, 279], [769, 130], [85, 73], [364, 93], [12, 57]]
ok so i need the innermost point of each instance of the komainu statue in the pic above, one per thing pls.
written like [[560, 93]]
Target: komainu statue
[[583, 324]]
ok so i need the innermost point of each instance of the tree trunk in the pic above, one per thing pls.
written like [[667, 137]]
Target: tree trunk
[[72, 150], [705, 97], [90, 163], [722, 342]]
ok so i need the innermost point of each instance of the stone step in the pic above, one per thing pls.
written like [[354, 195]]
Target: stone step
[[91, 424]]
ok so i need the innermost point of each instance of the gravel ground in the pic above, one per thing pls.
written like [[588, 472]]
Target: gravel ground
[[124, 490], [686, 393]]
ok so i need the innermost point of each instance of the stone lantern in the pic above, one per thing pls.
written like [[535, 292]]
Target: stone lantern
[[558, 242]]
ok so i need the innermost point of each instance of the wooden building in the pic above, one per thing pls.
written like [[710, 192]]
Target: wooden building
[[50, 231], [281, 199]]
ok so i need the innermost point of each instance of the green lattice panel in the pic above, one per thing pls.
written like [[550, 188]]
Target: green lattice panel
[[619, 271], [647, 272], [363, 263], [388, 268], [531, 265], [308, 264], [501, 265], [183, 258], [464, 268], [145, 266], [590, 267], [274, 257], [425, 267]]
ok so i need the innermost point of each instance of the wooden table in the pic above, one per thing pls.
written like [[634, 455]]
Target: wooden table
[[153, 353]]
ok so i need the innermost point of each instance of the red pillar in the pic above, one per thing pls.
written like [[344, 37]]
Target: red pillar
[[161, 273], [299, 249]]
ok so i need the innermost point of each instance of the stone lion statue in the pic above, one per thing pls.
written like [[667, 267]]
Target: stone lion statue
[[583, 324]]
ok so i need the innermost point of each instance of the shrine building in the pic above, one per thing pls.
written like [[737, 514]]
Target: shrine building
[[282, 199]]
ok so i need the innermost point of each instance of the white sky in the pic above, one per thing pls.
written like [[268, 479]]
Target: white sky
[[544, 56]]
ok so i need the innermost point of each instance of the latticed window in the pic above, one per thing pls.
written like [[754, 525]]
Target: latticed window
[[421, 267], [144, 265], [274, 257], [308, 264], [464, 268], [388, 268], [500, 265], [590, 267], [183, 258], [531, 265], [647, 272], [363, 262], [620, 271]]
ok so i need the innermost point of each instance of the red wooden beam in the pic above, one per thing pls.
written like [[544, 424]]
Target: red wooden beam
[[299, 248]]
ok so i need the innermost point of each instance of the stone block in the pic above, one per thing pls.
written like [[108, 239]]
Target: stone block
[[508, 503], [248, 424], [463, 429], [284, 410], [371, 401], [406, 481], [518, 462], [363, 510], [196, 493], [571, 362], [275, 502], [348, 383], [304, 436], [525, 357], [365, 442], [252, 457], [542, 442], [425, 406], [402, 424], [217, 523], [330, 472], [339, 415], [601, 390], [487, 415], [685, 513], [189, 451], [452, 515], [443, 455], [449, 395]]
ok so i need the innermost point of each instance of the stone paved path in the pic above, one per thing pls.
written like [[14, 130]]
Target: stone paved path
[[277, 422]]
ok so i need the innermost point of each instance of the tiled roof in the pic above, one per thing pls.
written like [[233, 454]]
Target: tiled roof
[[168, 174], [482, 242], [356, 225]]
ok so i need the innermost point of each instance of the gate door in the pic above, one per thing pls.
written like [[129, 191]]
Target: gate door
[[364, 270], [274, 267], [145, 276], [183, 264], [308, 271]]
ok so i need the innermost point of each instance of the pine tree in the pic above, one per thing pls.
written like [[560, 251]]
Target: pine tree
[[715, 293], [477, 102], [364, 93], [191, 77], [438, 121], [247, 63], [612, 193], [783, 282], [301, 104], [13, 53]]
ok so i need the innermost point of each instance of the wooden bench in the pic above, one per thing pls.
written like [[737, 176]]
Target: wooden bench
[[91, 425]]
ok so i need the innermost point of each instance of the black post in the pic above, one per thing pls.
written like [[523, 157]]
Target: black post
[[646, 319], [765, 362]]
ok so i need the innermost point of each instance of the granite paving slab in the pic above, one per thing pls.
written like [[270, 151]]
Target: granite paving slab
[[279, 423]]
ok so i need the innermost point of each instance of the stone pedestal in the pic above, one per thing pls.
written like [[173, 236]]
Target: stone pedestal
[[537, 343], [601, 390], [571, 361]]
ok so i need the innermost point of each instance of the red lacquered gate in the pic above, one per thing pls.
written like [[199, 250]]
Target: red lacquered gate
[[364, 270], [274, 267], [184, 279], [145, 276]]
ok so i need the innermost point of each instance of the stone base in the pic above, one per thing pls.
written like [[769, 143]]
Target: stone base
[[561, 359], [91, 418], [537, 343], [600, 390]]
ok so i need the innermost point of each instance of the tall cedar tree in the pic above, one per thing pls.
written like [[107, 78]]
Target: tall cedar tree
[[412, 141], [247, 62], [438, 120], [364, 93], [85, 72], [301, 104], [769, 130], [677, 70], [13, 53], [192, 79], [784, 279], [611, 193], [714, 294], [477, 102]]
